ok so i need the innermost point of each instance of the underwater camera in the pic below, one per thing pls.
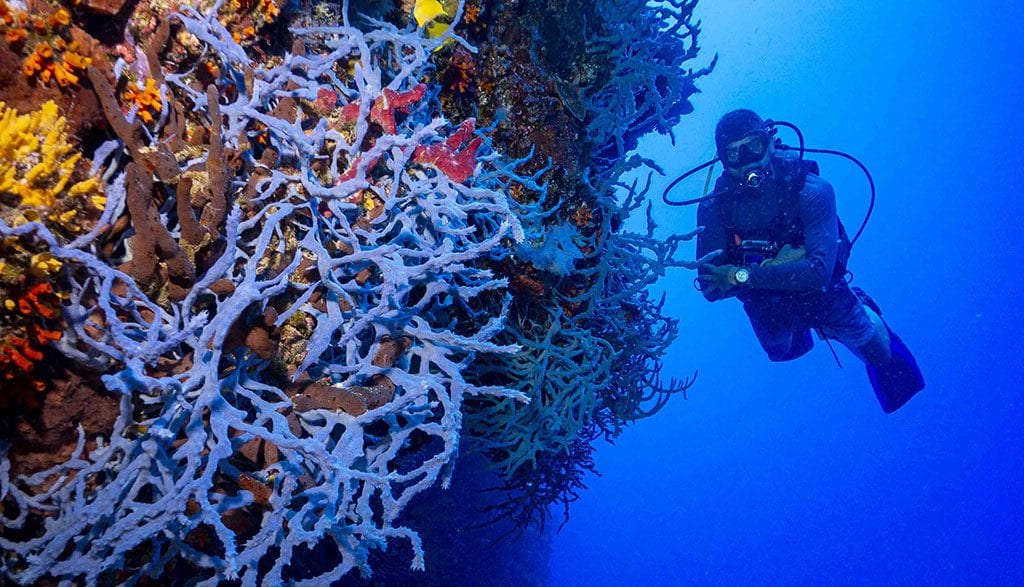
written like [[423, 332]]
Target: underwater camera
[[756, 252]]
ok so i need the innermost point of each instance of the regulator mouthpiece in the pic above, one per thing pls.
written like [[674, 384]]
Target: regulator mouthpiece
[[754, 178]]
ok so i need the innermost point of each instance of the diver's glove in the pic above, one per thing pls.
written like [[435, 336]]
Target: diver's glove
[[718, 277], [786, 254]]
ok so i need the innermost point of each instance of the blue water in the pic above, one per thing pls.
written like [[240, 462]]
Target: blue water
[[790, 472]]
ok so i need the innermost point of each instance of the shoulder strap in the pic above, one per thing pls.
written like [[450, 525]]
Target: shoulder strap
[[793, 176], [790, 177], [798, 177], [725, 204]]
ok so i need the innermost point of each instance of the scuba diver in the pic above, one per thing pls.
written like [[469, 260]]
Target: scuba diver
[[784, 256]]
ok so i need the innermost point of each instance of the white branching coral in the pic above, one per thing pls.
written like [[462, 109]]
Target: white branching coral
[[341, 232]]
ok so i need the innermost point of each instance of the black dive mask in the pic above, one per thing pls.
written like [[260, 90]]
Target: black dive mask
[[749, 149], [748, 159]]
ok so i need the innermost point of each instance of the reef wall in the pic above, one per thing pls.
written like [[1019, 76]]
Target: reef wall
[[267, 267]]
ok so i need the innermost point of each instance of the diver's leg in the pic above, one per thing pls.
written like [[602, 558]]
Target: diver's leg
[[844, 317], [876, 351]]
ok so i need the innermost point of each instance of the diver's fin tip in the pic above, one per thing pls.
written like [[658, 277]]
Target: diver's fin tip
[[896, 383]]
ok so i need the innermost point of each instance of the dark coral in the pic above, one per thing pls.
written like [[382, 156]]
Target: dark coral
[[563, 97]]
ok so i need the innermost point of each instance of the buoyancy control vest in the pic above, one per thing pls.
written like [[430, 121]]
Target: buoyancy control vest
[[787, 227]]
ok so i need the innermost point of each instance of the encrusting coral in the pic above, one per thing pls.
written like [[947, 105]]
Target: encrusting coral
[[42, 181], [40, 175]]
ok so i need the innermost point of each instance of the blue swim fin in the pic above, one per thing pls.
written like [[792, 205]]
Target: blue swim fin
[[899, 380]]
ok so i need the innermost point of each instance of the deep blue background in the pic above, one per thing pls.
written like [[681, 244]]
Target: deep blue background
[[791, 472]]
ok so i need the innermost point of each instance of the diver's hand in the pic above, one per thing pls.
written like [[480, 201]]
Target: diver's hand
[[786, 254], [719, 277]]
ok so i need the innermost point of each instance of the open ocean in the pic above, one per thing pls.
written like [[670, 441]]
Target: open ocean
[[789, 473]]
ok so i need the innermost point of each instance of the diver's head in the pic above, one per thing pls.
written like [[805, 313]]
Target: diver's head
[[744, 143]]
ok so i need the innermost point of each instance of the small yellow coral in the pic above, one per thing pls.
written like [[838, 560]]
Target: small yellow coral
[[60, 18], [76, 61], [270, 10], [42, 62], [51, 57], [43, 264], [37, 165], [64, 76], [16, 35], [146, 98], [32, 65]]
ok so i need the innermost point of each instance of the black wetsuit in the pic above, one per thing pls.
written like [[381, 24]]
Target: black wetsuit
[[784, 302]]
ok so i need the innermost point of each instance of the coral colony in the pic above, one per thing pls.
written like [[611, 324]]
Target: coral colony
[[266, 268]]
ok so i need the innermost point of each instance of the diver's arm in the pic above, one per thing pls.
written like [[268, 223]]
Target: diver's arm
[[821, 243], [711, 239]]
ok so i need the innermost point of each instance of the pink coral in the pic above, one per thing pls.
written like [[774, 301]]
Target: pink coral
[[384, 107], [454, 157]]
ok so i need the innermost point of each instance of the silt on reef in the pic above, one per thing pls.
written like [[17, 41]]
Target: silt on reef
[[309, 260]]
